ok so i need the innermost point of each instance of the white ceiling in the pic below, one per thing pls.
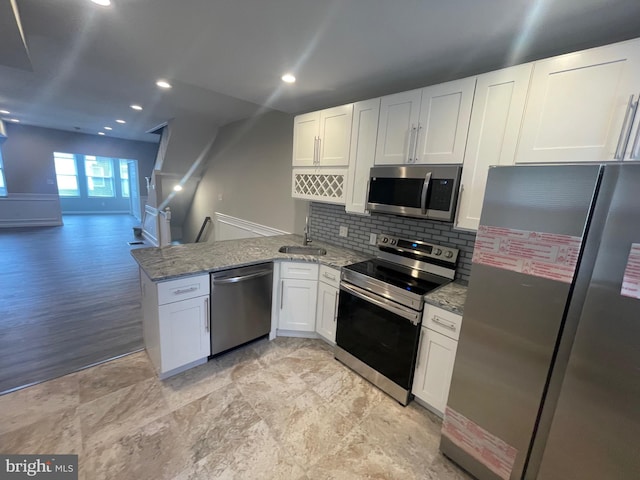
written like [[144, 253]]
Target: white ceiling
[[225, 57]]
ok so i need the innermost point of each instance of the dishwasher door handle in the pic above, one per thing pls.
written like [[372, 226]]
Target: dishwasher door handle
[[241, 278]]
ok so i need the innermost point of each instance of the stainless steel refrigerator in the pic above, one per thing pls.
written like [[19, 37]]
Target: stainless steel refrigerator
[[546, 383]]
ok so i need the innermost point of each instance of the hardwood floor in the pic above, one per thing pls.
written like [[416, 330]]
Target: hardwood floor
[[69, 297]]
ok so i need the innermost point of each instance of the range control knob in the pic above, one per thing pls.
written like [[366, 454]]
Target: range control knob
[[448, 254], [437, 251], [393, 241], [385, 239]]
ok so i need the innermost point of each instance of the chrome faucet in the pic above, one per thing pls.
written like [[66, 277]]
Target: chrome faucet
[[306, 239]]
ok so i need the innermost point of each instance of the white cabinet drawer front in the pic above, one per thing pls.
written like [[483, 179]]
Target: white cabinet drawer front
[[442, 321], [183, 288], [298, 270], [330, 276]]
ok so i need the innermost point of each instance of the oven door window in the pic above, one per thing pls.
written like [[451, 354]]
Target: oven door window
[[383, 340]]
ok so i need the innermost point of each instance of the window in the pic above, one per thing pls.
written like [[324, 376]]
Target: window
[[99, 172], [3, 186], [93, 179], [66, 174], [124, 177]]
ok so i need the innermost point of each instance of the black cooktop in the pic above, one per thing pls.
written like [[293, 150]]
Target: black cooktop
[[398, 276]]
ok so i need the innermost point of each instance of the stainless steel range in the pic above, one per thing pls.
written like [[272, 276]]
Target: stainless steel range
[[380, 310]]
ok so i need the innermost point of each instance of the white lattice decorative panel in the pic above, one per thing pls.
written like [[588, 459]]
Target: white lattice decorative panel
[[320, 185]]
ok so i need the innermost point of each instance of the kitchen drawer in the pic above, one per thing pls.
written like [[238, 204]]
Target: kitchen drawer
[[442, 321], [299, 270], [183, 288], [330, 276]]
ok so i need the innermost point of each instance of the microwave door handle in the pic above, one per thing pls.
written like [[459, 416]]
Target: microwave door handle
[[425, 192]]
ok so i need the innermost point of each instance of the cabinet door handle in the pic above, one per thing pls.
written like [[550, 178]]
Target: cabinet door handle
[[416, 142], [319, 149], [281, 294], [315, 150], [207, 313], [625, 133], [444, 323], [419, 346], [184, 290], [635, 154], [335, 310], [411, 146], [329, 276]]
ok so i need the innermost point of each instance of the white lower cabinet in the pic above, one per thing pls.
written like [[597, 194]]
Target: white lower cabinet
[[327, 311], [176, 324], [436, 357], [184, 332], [297, 293]]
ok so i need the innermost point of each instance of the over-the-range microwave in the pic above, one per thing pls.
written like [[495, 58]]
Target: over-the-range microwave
[[425, 191]]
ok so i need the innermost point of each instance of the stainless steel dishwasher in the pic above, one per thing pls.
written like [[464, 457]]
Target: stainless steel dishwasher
[[240, 305]]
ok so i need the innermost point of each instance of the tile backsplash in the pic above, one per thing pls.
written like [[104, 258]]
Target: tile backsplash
[[326, 219]]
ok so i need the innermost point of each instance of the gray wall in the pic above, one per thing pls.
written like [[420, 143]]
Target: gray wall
[[28, 156], [249, 167], [326, 220]]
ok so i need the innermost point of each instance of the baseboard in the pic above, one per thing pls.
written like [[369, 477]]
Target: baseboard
[[296, 333], [99, 212], [30, 210]]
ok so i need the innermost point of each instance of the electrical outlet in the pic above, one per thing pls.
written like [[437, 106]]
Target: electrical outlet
[[372, 238], [344, 231]]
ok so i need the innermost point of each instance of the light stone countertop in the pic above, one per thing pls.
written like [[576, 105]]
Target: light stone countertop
[[195, 258], [449, 297]]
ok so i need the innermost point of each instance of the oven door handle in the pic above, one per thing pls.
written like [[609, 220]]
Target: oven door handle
[[425, 192], [411, 315]]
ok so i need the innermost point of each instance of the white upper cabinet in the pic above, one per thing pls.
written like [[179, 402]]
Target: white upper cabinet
[[445, 111], [363, 147], [322, 138], [498, 107], [397, 127], [305, 138], [581, 106], [427, 125]]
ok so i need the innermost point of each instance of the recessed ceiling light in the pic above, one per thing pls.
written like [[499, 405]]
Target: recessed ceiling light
[[288, 78], [108, 128], [14, 120], [100, 133], [177, 188], [136, 107], [120, 121], [102, 3], [163, 84], [5, 112]]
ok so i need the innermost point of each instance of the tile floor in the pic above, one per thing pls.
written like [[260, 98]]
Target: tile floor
[[272, 410]]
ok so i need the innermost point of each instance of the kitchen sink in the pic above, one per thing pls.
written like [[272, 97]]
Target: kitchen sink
[[298, 250]]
